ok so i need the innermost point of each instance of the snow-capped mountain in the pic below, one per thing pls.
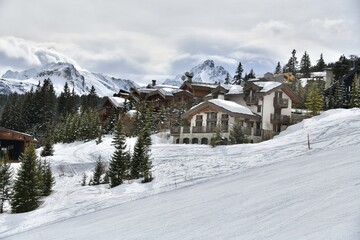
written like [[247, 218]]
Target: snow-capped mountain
[[59, 73], [204, 72]]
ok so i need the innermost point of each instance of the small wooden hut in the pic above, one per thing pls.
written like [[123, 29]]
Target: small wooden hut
[[13, 143]]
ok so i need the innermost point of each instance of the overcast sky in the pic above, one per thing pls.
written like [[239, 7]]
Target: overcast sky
[[144, 40]]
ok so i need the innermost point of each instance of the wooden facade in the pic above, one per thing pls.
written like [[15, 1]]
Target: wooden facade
[[14, 143]]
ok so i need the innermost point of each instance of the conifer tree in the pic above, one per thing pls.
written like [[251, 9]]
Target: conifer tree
[[119, 163], [27, 186], [66, 101], [305, 65], [227, 79], [320, 65], [278, 69], [98, 172], [48, 149], [90, 100], [238, 74], [6, 174], [236, 135], [355, 93], [47, 179], [291, 66], [314, 101], [251, 74], [339, 98]]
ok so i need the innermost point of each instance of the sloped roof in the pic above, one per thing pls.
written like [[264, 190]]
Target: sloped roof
[[231, 106], [267, 86], [117, 101], [226, 106]]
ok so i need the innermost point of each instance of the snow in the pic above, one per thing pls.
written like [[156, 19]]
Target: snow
[[231, 106], [59, 73], [276, 189], [117, 101], [267, 86]]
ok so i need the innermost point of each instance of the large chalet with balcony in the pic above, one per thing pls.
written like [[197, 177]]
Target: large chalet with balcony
[[266, 110]]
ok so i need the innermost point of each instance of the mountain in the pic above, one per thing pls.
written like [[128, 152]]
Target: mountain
[[59, 73], [204, 72]]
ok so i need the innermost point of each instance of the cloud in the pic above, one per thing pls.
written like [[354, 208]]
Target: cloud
[[19, 54]]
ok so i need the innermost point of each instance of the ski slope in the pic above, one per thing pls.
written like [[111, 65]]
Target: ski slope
[[277, 189]]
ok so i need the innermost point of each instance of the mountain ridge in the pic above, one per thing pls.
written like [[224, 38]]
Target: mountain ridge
[[59, 73], [205, 72]]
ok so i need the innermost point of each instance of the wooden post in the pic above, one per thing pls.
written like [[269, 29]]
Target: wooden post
[[308, 136]]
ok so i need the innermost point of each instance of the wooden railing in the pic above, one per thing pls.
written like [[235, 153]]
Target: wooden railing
[[280, 119], [281, 102]]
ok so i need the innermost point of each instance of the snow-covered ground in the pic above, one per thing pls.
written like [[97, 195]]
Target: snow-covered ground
[[276, 189]]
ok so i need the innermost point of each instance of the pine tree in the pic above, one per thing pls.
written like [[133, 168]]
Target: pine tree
[[251, 74], [47, 179], [98, 172], [305, 65], [320, 65], [355, 93], [291, 66], [119, 163], [146, 163], [27, 186], [238, 74], [6, 174], [339, 98], [314, 100], [227, 79], [236, 135], [48, 149], [90, 101], [278, 69], [66, 101]]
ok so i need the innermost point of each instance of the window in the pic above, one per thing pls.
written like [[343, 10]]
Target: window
[[211, 116], [225, 116], [198, 121], [258, 109]]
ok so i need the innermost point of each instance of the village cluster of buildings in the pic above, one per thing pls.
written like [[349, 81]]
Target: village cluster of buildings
[[261, 106]]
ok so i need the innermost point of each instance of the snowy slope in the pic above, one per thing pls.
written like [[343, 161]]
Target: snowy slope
[[277, 189], [59, 73], [204, 72]]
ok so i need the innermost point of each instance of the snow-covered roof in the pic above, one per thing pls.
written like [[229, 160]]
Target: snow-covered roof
[[232, 106], [235, 89], [117, 101], [167, 91], [267, 86]]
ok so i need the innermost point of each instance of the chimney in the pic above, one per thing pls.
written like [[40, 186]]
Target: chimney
[[153, 83]]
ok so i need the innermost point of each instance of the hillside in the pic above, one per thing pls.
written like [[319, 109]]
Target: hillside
[[277, 189]]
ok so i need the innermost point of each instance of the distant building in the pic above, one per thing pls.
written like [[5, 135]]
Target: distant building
[[14, 143], [266, 105]]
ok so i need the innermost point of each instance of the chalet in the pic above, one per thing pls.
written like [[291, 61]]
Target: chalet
[[198, 89], [162, 96], [271, 100], [347, 80], [111, 105], [14, 143], [268, 99], [213, 115]]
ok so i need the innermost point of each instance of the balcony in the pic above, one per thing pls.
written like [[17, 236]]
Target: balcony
[[280, 119], [251, 100], [186, 129], [175, 131], [281, 102]]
